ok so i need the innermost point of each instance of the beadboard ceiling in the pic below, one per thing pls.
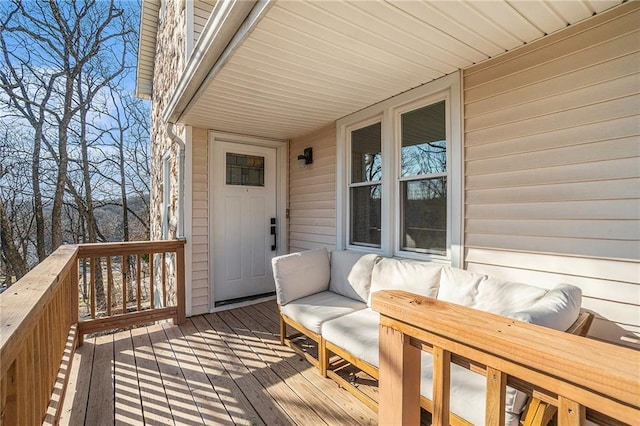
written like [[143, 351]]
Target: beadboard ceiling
[[308, 63]]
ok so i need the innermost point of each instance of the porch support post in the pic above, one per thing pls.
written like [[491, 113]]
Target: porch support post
[[181, 317], [399, 379]]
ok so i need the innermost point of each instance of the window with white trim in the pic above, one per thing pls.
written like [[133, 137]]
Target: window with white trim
[[400, 191], [365, 187], [422, 194]]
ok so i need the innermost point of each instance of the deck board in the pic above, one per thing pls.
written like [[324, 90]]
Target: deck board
[[128, 409], [101, 391], [74, 406], [235, 402], [155, 407], [323, 408], [181, 403], [222, 368], [254, 318]]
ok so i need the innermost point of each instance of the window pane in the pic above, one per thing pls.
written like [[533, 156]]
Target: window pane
[[424, 141], [366, 215], [245, 170], [424, 215], [366, 159]]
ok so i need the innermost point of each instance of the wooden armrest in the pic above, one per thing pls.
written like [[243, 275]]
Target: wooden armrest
[[581, 326]]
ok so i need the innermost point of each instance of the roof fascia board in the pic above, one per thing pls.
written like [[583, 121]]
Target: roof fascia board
[[229, 24]]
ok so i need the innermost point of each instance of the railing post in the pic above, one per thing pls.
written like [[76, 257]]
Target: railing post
[[570, 413], [441, 386], [180, 285], [399, 379], [75, 298], [496, 396]]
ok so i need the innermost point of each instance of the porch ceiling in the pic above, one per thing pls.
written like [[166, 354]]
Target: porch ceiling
[[306, 64]]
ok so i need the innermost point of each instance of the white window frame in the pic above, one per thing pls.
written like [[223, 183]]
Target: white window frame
[[447, 88], [355, 126]]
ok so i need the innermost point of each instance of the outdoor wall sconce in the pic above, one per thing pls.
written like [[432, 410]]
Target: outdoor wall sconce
[[306, 157]]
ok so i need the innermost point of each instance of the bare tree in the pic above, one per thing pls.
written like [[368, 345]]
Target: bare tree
[[84, 143], [15, 216], [51, 51]]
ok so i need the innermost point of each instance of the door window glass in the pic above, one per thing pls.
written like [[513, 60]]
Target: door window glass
[[245, 170]]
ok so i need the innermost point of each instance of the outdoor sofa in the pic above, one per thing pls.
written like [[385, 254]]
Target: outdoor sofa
[[327, 297]]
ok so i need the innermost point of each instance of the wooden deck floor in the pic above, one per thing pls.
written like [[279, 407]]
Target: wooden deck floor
[[224, 368]]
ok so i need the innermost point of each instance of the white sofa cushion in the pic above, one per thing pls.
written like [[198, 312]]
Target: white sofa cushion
[[504, 297], [356, 333], [311, 311], [351, 273], [486, 293], [459, 286], [468, 393], [300, 274], [557, 309], [409, 275]]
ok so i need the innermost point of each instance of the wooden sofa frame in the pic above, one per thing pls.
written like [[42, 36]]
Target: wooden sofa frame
[[537, 412]]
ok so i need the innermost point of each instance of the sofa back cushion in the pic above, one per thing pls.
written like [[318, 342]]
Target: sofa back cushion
[[486, 293], [557, 309], [459, 286], [351, 274], [409, 275], [300, 274]]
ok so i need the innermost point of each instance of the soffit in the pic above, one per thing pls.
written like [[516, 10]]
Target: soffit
[[307, 64], [147, 47]]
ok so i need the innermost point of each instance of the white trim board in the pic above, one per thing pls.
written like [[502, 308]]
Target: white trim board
[[187, 211]]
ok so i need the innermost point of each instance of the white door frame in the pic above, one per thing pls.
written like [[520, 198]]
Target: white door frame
[[282, 187]]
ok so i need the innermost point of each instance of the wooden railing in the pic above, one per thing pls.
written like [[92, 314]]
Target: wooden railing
[[41, 324], [125, 284], [584, 378], [38, 328]]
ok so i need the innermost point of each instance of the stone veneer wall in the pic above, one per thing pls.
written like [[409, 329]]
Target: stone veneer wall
[[169, 63]]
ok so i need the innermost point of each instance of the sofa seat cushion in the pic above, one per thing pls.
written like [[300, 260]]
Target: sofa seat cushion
[[300, 274], [351, 273], [356, 333], [312, 311], [414, 276], [468, 393]]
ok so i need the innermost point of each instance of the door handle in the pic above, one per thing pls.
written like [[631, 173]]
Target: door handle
[[274, 246]]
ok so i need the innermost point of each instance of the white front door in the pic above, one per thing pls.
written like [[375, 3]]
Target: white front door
[[244, 213]]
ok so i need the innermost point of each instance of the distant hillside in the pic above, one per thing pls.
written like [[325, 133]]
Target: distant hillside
[[110, 219]]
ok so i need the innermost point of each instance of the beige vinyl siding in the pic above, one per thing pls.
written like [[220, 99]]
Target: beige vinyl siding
[[552, 166], [312, 192], [201, 11], [200, 223]]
